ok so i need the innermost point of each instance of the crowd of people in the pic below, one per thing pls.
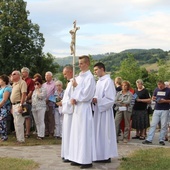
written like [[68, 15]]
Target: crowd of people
[[88, 116], [133, 110], [27, 102]]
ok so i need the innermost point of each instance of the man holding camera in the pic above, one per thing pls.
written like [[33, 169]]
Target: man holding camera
[[161, 96]]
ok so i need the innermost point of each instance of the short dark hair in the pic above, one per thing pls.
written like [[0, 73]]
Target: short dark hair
[[160, 81], [69, 67], [39, 80], [5, 78], [100, 65], [37, 75], [86, 58]]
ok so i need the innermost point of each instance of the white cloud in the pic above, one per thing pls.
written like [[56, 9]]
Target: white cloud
[[105, 26]]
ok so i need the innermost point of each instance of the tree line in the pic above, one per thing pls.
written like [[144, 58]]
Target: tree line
[[21, 42]]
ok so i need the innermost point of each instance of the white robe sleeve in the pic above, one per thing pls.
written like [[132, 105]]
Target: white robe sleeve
[[67, 108], [106, 101]]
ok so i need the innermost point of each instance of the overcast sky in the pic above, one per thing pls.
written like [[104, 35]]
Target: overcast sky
[[105, 25]]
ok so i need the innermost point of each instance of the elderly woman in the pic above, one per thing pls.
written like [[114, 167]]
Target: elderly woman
[[140, 118], [59, 93], [123, 109], [39, 107], [5, 106]]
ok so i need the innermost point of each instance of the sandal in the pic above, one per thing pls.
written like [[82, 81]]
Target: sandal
[[3, 139], [142, 138], [39, 138], [27, 136]]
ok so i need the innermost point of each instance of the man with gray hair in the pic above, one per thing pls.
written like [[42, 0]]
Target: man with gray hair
[[50, 86], [18, 96], [30, 88]]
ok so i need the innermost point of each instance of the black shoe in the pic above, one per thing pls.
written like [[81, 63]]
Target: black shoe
[[136, 137], [104, 161], [162, 143], [66, 161], [147, 142], [166, 139], [84, 166], [75, 164], [58, 137]]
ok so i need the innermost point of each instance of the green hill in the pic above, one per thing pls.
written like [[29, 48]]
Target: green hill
[[113, 60]]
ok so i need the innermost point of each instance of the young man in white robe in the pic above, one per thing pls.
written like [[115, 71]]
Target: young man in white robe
[[67, 110], [82, 132], [104, 123]]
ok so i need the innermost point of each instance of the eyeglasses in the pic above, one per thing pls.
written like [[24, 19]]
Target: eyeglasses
[[37, 84]]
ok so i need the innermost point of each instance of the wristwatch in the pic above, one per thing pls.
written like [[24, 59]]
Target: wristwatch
[[20, 104]]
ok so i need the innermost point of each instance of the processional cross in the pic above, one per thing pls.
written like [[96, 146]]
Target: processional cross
[[73, 44]]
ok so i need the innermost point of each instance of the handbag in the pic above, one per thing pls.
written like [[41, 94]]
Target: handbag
[[149, 110], [25, 110]]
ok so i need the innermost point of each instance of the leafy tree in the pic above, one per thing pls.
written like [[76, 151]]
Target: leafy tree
[[129, 70], [44, 63], [163, 73], [21, 43], [150, 84], [92, 63]]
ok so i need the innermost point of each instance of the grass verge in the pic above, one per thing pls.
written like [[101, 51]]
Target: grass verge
[[7, 163], [148, 159], [31, 141], [17, 164]]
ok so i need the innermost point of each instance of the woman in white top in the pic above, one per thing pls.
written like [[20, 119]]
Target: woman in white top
[[39, 107]]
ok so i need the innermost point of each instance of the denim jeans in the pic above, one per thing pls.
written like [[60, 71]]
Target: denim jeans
[[162, 116]]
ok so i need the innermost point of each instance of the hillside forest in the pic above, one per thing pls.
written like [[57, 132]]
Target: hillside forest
[[149, 65]]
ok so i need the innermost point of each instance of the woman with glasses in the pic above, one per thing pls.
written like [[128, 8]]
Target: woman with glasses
[[39, 107]]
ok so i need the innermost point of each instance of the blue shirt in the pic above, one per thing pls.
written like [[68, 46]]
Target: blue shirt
[[2, 90], [162, 94]]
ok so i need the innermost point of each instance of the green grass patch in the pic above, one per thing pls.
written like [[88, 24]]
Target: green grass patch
[[32, 141], [17, 164], [148, 159]]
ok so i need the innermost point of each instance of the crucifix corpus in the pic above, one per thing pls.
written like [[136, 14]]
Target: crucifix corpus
[[73, 44]]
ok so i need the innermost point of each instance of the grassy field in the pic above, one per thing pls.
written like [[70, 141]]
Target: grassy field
[[150, 159], [154, 66], [17, 164], [32, 141], [151, 67]]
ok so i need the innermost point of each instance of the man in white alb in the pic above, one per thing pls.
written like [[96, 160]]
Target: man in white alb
[[67, 110], [82, 136], [104, 125]]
